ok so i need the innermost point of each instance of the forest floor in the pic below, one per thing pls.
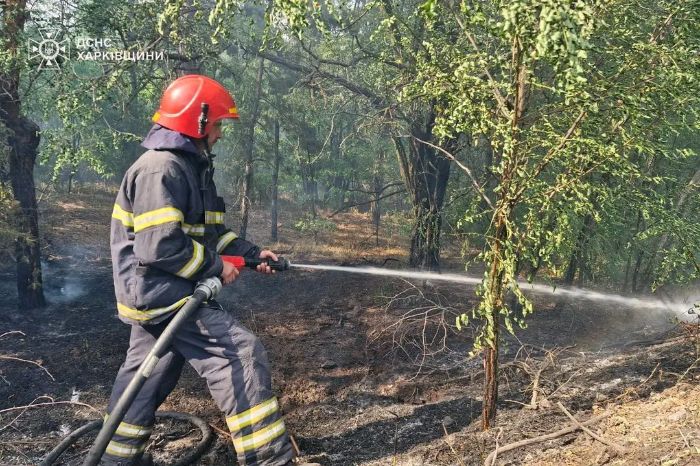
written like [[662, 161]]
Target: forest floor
[[370, 371]]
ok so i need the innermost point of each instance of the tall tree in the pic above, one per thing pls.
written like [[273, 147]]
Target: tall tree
[[556, 92], [274, 195], [249, 141], [22, 141]]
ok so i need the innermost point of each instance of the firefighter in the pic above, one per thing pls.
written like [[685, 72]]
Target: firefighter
[[167, 233]]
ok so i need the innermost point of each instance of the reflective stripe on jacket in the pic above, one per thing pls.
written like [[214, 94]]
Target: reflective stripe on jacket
[[167, 233]]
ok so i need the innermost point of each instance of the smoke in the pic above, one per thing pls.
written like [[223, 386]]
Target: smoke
[[61, 285]]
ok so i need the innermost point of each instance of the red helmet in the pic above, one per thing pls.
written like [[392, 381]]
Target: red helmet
[[192, 104]]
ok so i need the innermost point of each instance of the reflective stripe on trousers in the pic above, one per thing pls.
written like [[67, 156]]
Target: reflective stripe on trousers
[[235, 366]]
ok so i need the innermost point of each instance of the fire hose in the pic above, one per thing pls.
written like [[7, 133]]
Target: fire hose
[[205, 290]]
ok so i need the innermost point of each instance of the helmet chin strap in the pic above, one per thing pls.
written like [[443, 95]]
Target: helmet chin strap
[[206, 149]]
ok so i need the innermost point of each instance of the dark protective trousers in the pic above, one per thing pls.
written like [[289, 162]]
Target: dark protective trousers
[[235, 366]]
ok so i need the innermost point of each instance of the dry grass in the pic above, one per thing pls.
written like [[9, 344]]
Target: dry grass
[[352, 239], [84, 217], [77, 224], [663, 429]]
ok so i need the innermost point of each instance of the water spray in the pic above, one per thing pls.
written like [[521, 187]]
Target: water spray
[[572, 292]]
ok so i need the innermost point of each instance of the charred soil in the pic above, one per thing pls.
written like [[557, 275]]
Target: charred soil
[[369, 371]]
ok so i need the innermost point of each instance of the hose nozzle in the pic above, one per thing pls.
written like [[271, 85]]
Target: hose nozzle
[[239, 262]]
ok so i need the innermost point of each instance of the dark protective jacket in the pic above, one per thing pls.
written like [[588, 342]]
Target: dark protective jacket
[[167, 229]]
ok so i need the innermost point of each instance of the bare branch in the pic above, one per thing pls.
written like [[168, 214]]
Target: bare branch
[[543, 438], [13, 332], [620, 449], [37, 405], [462, 166], [384, 188], [12, 358], [52, 403], [345, 207], [374, 98], [325, 61], [395, 64]]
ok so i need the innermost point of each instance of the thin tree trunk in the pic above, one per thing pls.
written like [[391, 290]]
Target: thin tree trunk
[[495, 297], [338, 181], [488, 410], [275, 181], [377, 183], [308, 181], [343, 185], [628, 265], [23, 141], [635, 274], [577, 261], [497, 245], [250, 146], [75, 145]]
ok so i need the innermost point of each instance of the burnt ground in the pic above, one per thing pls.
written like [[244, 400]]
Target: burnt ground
[[360, 381]]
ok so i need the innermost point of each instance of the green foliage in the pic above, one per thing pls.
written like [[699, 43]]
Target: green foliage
[[398, 222], [314, 226], [577, 128], [8, 213]]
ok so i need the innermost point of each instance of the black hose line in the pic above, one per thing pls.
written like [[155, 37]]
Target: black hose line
[[193, 454], [69, 440], [206, 289], [202, 446]]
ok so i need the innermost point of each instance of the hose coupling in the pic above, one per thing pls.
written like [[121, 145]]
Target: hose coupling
[[209, 286]]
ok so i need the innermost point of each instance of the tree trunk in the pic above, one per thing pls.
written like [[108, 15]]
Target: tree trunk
[[338, 182], [23, 141], [23, 154], [275, 181], [70, 180], [308, 182], [628, 265], [635, 275], [577, 261], [342, 184], [425, 174], [249, 149], [488, 410], [377, 185], [495, 297]]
